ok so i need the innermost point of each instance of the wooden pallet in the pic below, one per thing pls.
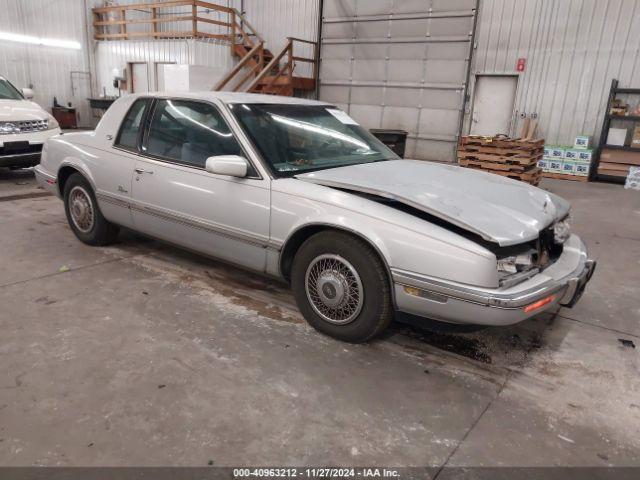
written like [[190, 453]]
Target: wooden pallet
[[562, 176], [523, 160], [502, 167], [531, 176], [502, 142], [509, 157], [492, 149]]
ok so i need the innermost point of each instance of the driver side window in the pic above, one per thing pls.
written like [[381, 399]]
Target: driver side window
[[188, 133]]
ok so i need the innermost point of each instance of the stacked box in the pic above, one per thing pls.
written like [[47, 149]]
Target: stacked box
[[555, 165], [572, 154], [585, 155], [555, 151], [544, 164], [566, 160], [582, 168], [582, 142], [569, 166], [553, 158]]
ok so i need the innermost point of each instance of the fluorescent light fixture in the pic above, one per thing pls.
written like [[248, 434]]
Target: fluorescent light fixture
[[47, 42]]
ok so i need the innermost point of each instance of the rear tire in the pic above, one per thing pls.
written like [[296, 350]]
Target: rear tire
[[341, 287], [84, 215]]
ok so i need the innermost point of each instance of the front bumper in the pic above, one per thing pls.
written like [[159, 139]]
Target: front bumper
[[23, 150], [561, 284], [20, 160]]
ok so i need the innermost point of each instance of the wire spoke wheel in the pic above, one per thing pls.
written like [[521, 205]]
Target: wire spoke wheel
[[81, 209], [334, 289]]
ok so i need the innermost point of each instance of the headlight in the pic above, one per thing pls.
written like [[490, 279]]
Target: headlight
[[561, 231], [515, 263], [53, 123]]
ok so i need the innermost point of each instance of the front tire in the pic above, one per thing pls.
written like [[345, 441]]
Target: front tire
[[341, 287], [83, 213]]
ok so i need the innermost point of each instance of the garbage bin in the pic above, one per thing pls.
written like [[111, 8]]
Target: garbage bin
[[396, 140]]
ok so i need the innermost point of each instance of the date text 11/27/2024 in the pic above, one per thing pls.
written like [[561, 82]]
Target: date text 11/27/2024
[[315, 472]]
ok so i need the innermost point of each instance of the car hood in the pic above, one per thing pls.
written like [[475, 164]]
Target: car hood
[[15, 110], [499, 209]]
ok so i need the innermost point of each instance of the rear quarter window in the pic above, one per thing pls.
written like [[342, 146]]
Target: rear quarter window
[[130, 127]]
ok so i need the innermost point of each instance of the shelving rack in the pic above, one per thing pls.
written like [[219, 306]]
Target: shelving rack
[[622, 167]]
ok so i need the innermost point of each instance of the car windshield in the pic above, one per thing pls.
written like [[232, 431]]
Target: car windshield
[[8, 91], [303, 138]]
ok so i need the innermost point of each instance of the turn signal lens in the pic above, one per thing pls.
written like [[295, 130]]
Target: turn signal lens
[[539, 304], [416, 292], [412, 291]]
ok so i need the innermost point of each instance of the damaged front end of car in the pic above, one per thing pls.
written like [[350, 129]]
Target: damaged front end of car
[[518, 263]]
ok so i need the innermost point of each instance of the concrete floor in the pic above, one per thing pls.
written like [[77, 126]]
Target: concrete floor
[[142, 354]]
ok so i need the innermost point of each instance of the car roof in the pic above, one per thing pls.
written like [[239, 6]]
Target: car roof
[[234, 97]]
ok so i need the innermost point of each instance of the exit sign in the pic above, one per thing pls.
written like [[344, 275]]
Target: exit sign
[[520, 64]]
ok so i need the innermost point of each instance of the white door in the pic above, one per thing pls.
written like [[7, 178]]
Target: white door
[[80, 92], [493, 104], [175, 199], [140, 77], [160, 75]]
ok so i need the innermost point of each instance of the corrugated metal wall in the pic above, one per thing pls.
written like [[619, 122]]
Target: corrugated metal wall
[[400, 64], [58, 72], [573, 48], [275, 20], [65, 73], [117, 54]]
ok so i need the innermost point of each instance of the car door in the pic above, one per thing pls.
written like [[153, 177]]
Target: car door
[[112, 167], [175, 199]]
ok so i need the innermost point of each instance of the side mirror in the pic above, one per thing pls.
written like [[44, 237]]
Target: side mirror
[[28, 93], [231, 165]]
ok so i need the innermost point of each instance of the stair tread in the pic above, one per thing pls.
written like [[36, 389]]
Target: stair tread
[[271, 83], [247, 49]]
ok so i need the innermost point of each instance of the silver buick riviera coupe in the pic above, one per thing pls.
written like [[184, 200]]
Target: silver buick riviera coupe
[[296, 189]]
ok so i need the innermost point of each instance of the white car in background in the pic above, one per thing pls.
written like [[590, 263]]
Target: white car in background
[[298, 190], [24, 126]]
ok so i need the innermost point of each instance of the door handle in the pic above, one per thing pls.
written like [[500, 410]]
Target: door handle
[[140, 171]]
